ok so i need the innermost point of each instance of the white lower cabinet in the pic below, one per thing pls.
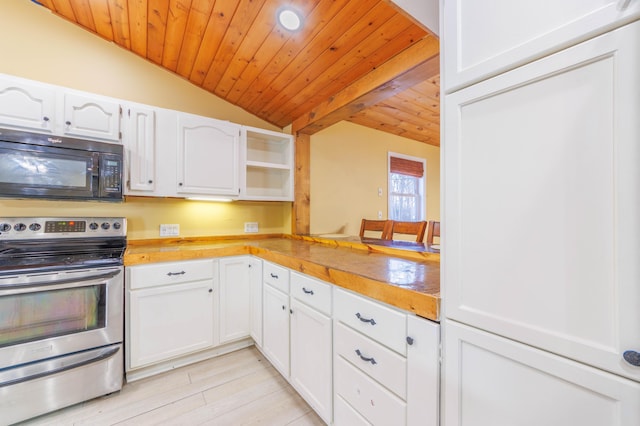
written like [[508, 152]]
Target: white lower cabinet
[[255, 300], [386, 364], [493, 381], [275, 328], [235, 296], [423, 372], [170, 310], [356, 361], [311, 348]]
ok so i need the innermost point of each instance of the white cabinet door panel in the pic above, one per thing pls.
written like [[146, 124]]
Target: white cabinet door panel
[[235, 298], [493, 381], [483, 39], [140, 142], [255, 302], [311, 354], [275, 331], [169, 321], [27, 106], [208, 156], [543, 199], [423, 372], [86, 116]]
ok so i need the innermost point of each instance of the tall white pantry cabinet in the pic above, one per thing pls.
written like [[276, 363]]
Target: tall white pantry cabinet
[[541, 212]]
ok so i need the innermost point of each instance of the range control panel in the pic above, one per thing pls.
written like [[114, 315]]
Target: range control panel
[[19, 228]]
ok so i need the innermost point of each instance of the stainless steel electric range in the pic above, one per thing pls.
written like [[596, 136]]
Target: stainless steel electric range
[[61, 312]]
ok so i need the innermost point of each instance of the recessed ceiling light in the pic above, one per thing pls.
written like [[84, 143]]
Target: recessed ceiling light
[[289, 19]]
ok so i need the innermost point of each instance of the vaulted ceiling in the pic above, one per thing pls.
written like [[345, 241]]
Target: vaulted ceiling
[[363, 61]]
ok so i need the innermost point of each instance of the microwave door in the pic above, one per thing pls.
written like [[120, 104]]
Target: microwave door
[[46, 173]]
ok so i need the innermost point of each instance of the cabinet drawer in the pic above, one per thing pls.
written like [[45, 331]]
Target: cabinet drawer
[[382, 364], [371, 400], [276, 276], [345, 415], [158, 274], [379, 322], [313, 292]]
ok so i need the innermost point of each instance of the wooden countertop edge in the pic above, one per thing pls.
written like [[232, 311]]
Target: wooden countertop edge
[[192, 240], [422, 304], [371, 248]]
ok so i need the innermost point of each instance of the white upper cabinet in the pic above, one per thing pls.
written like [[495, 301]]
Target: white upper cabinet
[[140, 142], [208, 156], [483, 39], [268, 165], [27, 106], [544, 246], [87, 116], [43, 108]]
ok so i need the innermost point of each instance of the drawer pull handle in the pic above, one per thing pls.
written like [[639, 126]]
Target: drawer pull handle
[[361, 318], [362, 357], [409, 340], [307, 291], [273, 275], [171, 274]]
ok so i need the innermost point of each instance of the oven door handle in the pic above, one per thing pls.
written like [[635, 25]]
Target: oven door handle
[[60, 284], [54, 366]]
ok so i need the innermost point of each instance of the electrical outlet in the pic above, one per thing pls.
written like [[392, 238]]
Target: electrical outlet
[[379, 214], [169, 230], [251, 227]]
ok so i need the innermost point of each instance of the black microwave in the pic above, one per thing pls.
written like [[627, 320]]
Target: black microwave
[[34, 165]]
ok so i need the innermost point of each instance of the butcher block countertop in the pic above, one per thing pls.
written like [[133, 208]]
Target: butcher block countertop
[[405, 279]]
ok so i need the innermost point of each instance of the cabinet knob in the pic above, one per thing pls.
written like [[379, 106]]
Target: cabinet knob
[[283, 308], [45, 118], [68, 123], [210, 290], [632, 357], [180, 184], [150, 181], [409, 340]]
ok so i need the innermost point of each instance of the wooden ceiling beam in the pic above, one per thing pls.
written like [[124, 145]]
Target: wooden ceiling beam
[[415, 64]]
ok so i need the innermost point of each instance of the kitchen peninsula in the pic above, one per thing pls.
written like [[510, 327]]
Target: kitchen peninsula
[[352, 326], [406, 279]]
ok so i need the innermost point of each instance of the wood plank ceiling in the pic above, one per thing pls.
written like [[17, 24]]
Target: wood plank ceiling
[[236, 50]]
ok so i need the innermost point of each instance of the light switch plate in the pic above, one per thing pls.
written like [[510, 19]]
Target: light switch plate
[[251, 227], [169, 230]]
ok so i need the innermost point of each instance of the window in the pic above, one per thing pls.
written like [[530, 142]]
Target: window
[[406, 188]]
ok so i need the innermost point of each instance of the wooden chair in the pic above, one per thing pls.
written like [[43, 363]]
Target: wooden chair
[[409, 228], [433, 230], [383, 226]]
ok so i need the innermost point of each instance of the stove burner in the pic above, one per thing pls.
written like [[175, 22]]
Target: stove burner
[[67, 245]]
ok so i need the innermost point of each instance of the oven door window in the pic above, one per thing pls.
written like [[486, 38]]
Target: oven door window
[[54, 171], [28, 317]]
